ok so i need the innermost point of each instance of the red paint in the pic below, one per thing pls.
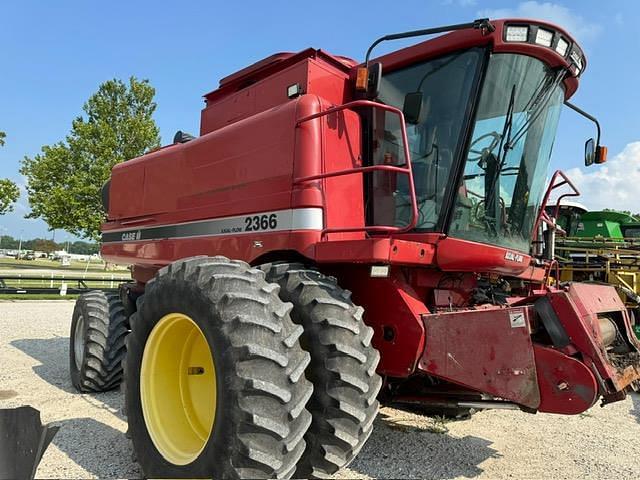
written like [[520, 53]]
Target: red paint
[[261, 151], [567, 385], [392, 303], [464, 39], [501, 364]]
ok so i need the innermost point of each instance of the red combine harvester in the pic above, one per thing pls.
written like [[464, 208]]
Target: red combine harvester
[[342, 234]]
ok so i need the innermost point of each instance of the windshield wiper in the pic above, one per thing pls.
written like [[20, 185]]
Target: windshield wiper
[[539, 102], [492, 172]]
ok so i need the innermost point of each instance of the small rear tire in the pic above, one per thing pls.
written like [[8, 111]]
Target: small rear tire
[[99, 327]]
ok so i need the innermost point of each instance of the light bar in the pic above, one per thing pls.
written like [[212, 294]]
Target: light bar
[[562, 47], [544, 37], [517, 33]]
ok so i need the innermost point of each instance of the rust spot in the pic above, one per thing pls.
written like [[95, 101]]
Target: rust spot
[[627, 376]]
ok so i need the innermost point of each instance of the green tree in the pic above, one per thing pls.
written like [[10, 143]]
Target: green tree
[[84, 248], [8, 242], [45, 245], [64, 180], [9, 192]]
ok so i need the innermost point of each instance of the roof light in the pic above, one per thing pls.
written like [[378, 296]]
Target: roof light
[[544, 37], [576, 58], [517, 33], [562, 46], [294, 90]]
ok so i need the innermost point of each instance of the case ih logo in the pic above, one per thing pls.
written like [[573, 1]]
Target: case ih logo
[[130, 236], [514, 257]]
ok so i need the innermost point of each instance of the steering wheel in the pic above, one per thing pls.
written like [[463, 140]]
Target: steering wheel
[[495, 140], [475, 212]]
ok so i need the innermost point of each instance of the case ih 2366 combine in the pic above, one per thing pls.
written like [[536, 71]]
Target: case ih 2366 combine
[[342, 234]]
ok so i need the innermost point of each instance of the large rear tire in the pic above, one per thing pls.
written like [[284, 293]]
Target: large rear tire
[[342, 368], [214, 375], [99, 327]]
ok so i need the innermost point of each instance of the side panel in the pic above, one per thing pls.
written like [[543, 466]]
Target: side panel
[[152, 255], [464, 256], [243, 168], [487, 350], [394, 310], [260, 96], [240, 171], [344, 196]]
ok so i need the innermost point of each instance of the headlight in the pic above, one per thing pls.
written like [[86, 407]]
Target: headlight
[[562, 46], [544, 37], [576, 58], [517, 33]]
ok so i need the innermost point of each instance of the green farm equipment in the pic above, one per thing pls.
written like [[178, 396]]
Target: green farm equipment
[[600, 246]]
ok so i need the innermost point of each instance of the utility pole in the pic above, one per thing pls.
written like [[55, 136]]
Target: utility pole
[[20, 245]]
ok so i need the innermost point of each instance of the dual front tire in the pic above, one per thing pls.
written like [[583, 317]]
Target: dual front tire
[[224, 380]]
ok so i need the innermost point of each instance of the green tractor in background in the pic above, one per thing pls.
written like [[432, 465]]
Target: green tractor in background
[[600, 246], [598, 225]]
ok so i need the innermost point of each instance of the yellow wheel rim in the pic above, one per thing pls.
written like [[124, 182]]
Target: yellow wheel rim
[[178, 388]]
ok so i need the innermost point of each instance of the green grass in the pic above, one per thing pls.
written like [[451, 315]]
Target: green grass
[[46, 282], [40, 296], [40, 263]]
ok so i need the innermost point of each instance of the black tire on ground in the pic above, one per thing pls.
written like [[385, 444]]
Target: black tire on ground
[[342, 368], [260, 415], [99, 327]]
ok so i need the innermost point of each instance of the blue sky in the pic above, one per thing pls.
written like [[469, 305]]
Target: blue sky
[[55, 54]]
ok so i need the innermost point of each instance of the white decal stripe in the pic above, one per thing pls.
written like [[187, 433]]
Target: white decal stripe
[[263, 222]]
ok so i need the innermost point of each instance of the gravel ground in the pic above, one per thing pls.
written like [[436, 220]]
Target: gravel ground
[[602, 443]]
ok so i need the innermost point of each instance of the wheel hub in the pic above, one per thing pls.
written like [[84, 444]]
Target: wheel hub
[[78, 342], [178, 388]]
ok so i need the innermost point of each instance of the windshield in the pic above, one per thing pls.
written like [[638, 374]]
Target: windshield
[[443, 87], [508, 155]]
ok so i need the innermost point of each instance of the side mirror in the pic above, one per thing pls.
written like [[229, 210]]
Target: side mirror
[[589, 152], [412, 107], [375, 76]]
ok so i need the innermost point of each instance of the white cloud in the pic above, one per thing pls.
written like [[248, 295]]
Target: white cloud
[[615, 184], [558, 14]]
